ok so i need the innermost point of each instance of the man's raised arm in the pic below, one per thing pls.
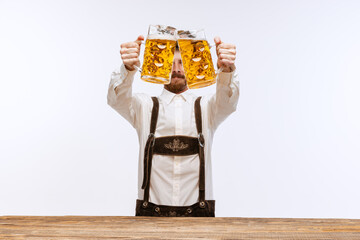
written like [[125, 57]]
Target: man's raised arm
[[120, 95], [224, 102]]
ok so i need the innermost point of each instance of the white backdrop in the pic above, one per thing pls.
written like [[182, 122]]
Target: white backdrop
[[292, 149]]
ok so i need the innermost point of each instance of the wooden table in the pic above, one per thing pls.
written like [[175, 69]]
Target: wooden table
[[88, 227]]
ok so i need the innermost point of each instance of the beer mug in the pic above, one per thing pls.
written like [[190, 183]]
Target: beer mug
[[159, 54], [196, 58]]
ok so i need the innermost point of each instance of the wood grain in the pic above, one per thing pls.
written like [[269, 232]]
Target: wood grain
[[104, 227]]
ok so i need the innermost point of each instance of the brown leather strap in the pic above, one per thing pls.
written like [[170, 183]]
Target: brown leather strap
[[201, 139], [149, 148], [177, 145], [195, 210], [198, 115], [154, 115]]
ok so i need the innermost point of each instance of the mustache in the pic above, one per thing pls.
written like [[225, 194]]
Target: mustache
[[177, 75]]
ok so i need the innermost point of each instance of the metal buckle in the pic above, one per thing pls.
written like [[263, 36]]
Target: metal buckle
[[201, 139], [151, 135]]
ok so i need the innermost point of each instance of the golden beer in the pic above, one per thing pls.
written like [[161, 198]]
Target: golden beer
[[197, 63], [158, 60]]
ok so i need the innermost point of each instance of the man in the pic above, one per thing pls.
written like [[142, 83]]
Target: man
[[175, 133]]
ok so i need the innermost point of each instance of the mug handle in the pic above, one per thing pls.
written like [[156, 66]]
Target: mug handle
[[219, 70], [136, 67]]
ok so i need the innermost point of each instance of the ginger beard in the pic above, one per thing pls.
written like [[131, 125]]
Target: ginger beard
[[178, 82]]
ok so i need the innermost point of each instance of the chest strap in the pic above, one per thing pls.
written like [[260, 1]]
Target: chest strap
[[201, 139], [174, 145], [149, 145]]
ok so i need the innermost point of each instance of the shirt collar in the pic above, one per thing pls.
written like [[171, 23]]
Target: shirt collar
[[168, 96]]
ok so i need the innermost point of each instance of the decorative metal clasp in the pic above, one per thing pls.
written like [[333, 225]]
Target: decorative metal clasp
[[176, 145], [201, 139], [151, 135]]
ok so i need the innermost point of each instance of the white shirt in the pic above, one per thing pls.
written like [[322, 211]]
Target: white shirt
[[174, 179]]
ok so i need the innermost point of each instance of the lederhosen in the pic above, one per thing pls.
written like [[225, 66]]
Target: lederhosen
[[177, 145]]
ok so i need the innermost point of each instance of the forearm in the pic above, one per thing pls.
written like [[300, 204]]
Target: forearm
[[227, 90], [224, 101], [120, 95]]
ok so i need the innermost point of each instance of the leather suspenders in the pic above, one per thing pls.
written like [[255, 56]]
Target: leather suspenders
[[177, 146], [201, 140]]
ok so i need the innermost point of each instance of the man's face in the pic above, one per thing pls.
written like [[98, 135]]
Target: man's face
[[178, 81]]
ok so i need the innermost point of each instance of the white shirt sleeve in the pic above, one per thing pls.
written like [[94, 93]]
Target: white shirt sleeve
[[120, 96], [224, 101]]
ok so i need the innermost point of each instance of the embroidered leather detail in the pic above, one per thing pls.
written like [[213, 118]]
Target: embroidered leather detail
[[172, 214], [176, 145]]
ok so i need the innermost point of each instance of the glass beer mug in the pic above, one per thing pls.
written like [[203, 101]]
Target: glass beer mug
[[159, 54], [196, 58]]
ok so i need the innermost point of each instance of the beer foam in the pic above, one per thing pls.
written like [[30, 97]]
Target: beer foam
[[194, 39], [162, 37], [191, 34]]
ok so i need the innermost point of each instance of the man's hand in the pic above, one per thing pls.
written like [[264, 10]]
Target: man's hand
[[130, 52], [226, 54]]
